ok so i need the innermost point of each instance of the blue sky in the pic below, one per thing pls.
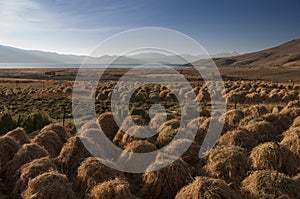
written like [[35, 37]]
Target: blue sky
[[76, 26]]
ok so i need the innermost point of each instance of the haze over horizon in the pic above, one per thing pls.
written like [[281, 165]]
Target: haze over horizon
[[76, 27]]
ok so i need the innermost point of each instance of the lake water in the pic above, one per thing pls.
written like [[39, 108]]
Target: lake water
[[29, 65]]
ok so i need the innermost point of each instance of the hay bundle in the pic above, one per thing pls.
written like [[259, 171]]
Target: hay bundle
[[293, 104], [26, 154], [48, 186], [50, 141], [159, 119], [292, 113], [297, 177], [32, 170], [249, 120], [267, 184], [19, 135], [59, 130], [203, 96], [263, 131], [165, 182], [137, 146], [92, 172], [256, 111], [140, 146], [253, 98], [279, 121], [191, 156], [165, 135], [127, 123], [296, 122], [167, 132], [291, 140], [8, 148], [272, 156], [196, 123], [135, 130], [108, 125], [240, 138], [112, 189], [71, 155], [207, 188], [233, 117], [230, 163]]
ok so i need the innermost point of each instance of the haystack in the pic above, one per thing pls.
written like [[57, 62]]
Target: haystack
[[293, 104], [267, 156], [249, 120], [19, 135], [296, 122], [92, 172], [8, 148], [272, 156], [50, 141], [279, 121], [59, 130], [165, 182], [297, 177], [26, 154], [140, 146], [207, 188], [30, 171], [112, 189], [292, 113], [190, 156], [267, 184], [167, 131], [233, 117], [240, 138], [48, 186], [159, 119], [230, 163], [137, 146], [108, 125], [263, 131], [71, 155], [291, 140], [127, 123], [256, 110], [135, 130]]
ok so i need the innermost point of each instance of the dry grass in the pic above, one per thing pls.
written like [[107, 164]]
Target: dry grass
[[71, 155], [267, 184], [239, 138], [8, 148], [108, 125], [49, 185], [59, 130], [50, 141], [112, 189], [19, 135], [92, 172], [263, 131], [26, 154], [165, 182], [291, 140], [207, 188], [32, 170], [230, 163]]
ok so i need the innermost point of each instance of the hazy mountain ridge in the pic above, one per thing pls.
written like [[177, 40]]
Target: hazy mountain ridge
[[287, 54], [16, 55]]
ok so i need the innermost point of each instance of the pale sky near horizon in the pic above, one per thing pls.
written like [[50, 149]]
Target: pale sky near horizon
[[77, 26]]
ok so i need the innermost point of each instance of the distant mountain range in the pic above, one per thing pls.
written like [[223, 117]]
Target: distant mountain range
[[16, 55], [287, 54]]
